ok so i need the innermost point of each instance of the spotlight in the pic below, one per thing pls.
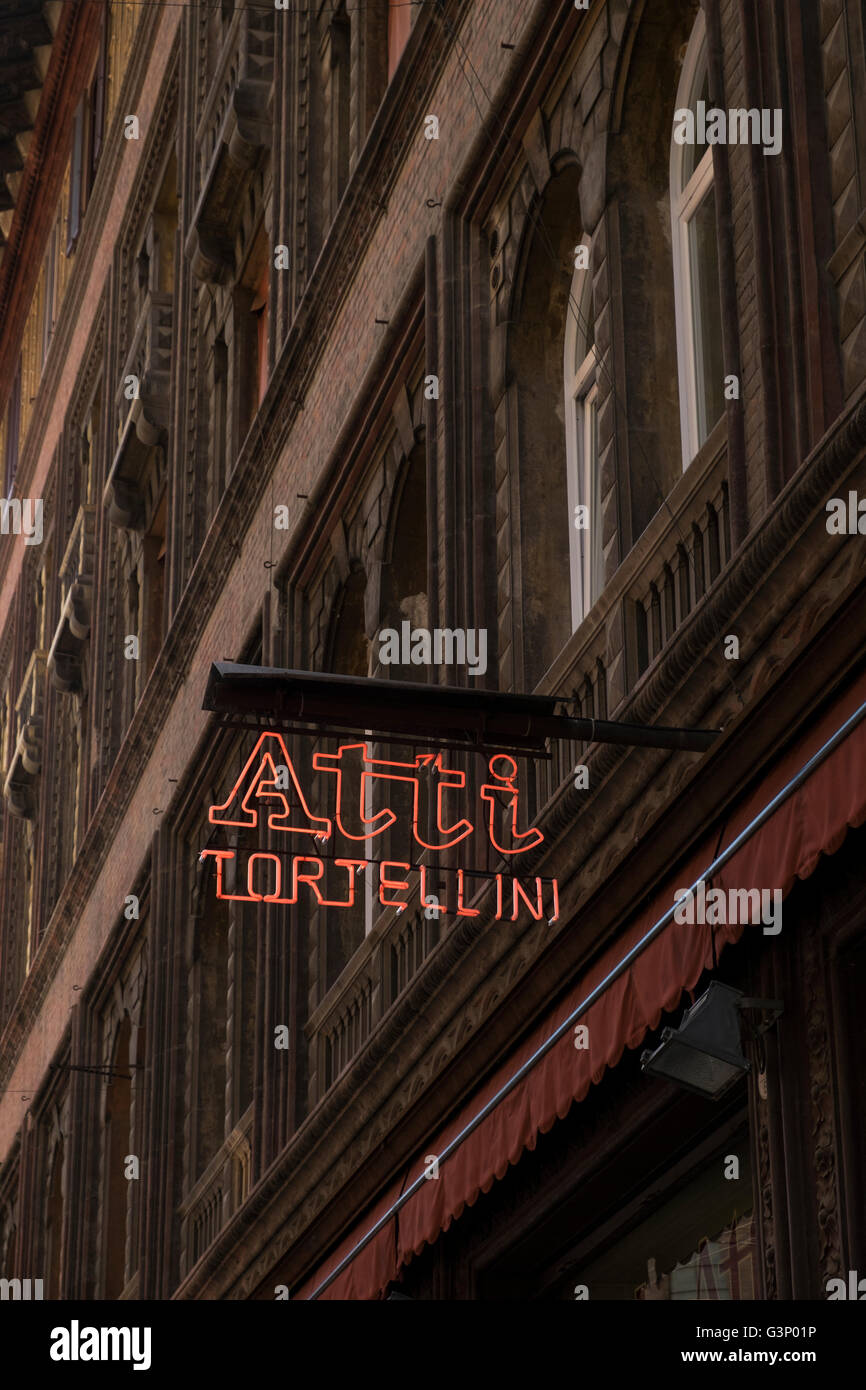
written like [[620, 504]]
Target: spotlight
[[705, 1053]]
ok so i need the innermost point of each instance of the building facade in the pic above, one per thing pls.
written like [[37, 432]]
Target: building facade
[[325, 322]]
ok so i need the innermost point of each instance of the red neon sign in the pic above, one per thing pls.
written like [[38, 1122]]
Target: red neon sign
[[268, 784]]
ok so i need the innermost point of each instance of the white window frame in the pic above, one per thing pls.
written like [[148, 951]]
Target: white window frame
[[685, 201], [581, 395]]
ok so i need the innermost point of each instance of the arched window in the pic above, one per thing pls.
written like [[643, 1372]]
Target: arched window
[[696, 256], [581, 447], [539, 310]]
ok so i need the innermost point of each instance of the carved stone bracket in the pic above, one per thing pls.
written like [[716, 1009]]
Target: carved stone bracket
[[19, 787], [138, 456], [234, 133], [66, 655]]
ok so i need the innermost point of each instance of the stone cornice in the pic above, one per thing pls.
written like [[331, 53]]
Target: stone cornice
[[336, 1153]]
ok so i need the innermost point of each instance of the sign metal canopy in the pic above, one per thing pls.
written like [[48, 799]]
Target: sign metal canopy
[[432, 715]]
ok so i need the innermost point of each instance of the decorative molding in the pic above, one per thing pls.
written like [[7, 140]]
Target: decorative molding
[[822, 1106]]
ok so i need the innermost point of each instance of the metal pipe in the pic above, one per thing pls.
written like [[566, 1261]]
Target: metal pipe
[[612, 975]]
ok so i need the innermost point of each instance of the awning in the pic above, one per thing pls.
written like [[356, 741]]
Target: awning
[[813, 821]]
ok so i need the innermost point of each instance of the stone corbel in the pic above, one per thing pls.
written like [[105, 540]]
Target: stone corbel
[[245, 133], [248, 129], [65, 659], [19, 787], [123, 495], [211, 257]]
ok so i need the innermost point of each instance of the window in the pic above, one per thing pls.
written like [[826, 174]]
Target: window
[[696, 263], [88, 137], [153, 552], [699, 1244], [541, 522], [219, 421], [260, 310], [250, 338], [76, 172], [96, 99], [13, 429], [581, 446]]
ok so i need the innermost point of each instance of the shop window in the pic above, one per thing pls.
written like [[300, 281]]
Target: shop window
[[697, 1243], [581, 447], [696, 263]]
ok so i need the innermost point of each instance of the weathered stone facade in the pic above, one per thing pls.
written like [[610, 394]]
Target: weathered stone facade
[[137, 1014]]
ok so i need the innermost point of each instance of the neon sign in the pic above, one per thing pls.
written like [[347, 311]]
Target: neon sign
[[268, 786]]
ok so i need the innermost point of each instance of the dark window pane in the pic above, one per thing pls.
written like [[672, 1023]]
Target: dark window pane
[[76, 172], [706, 315], [693, 154]]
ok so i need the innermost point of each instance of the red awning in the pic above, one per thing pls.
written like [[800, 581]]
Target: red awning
[[813, 821]]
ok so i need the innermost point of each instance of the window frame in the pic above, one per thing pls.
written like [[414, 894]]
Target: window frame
[[686, 197], [580, 382], [13, 434], [76, 179]]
